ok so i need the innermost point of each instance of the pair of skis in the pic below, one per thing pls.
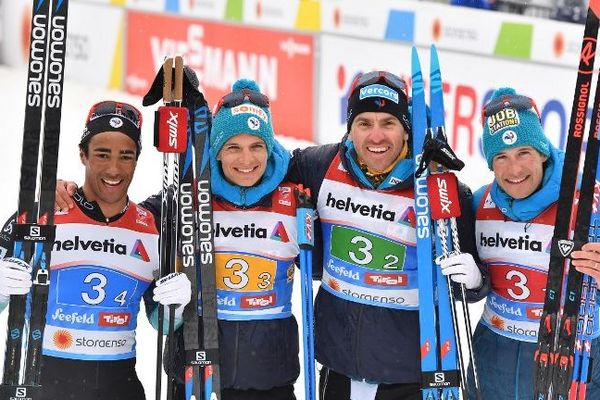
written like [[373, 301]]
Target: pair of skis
[[562, 359], [182, 126], [34, 230], [444, 372]]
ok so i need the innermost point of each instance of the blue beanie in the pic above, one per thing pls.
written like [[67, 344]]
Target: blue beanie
[[511, 120], [243, 118]]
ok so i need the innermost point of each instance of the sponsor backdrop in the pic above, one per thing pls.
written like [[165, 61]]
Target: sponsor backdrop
[[304, 55], [281, 62]]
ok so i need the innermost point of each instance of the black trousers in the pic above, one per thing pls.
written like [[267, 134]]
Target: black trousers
[[334, 386], [277, 393], [90, 380]]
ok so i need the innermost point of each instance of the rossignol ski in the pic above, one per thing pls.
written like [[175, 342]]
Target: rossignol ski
[[34, 229], [554, 357]]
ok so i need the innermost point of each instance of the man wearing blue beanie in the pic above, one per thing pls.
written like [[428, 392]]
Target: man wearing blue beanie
[[514, 227]]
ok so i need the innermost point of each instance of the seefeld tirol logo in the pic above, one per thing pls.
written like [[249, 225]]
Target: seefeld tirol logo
[[379, 91]]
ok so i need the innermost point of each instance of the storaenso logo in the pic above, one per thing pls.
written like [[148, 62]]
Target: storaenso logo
[[106, 246], [246, 231], [36, 65], [55, 64], [519, 243], [374, 211], [186, 198]]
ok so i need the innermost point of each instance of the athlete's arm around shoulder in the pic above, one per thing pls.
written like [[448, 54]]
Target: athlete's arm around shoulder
[[309, 165]]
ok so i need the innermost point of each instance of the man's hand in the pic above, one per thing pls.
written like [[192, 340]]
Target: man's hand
[[462, 269], [173, 289], [15, 277], [587, 260], [64, 195]]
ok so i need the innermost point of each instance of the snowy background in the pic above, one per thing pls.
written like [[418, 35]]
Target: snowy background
[[304, 55]]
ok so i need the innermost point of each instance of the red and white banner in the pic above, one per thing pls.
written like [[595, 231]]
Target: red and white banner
[[281, 63]]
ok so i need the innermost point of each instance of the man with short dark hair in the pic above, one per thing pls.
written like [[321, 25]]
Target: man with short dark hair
[[366, 332], [103, 262]]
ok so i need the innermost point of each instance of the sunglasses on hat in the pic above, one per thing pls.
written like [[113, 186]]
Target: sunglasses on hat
[[123, 110], [240, 97], [372, 77], [517, 102]]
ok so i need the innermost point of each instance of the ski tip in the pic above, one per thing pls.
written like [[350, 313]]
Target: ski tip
[[434, 56], [415, 63]]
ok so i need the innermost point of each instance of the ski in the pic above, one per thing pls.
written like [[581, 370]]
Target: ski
[[34, 231], [554, 354], [427, 314], [444, 199], [444, 371], [171, 140], [202, 348]]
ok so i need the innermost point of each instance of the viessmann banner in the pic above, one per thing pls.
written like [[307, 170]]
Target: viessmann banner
[[281, 62]]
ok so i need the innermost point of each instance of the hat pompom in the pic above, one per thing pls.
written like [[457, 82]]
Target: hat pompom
[[505, 91], [245, 84]]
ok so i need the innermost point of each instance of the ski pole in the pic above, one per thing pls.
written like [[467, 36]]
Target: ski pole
[[305, 222]]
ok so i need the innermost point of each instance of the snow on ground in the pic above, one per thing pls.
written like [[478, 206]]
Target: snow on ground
[[76, 102]]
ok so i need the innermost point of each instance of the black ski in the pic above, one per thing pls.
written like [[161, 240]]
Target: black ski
[[554, 354], [34, 231]]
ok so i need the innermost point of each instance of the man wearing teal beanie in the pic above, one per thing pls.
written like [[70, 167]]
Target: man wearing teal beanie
[[514, 225]]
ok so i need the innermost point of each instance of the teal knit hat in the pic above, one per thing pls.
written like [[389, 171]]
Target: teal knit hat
[[244, 110], [511, 120]]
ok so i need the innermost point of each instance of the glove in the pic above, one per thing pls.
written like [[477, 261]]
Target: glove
[[462, 269], [15, 277], [175, 289]]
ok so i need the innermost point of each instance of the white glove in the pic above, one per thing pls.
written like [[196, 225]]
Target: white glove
[[15, 277], [462, 269], [175, 289]]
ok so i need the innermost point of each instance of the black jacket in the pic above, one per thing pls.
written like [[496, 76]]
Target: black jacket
[[361, 341]]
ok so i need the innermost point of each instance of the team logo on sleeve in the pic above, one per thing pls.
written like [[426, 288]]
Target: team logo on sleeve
[[139, 251]]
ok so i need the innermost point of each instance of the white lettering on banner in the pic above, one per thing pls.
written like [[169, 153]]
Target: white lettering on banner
[[218, 67], [291, 48]]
